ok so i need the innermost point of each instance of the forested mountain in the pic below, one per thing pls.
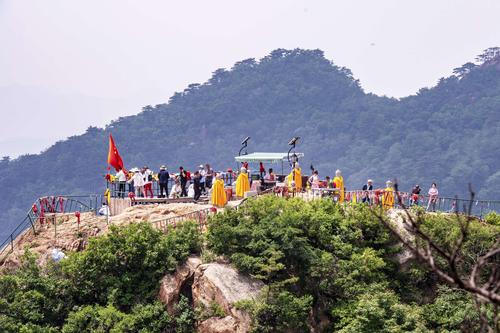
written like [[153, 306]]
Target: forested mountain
[[449, 134]]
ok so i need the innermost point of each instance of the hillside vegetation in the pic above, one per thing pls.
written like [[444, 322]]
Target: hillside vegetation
[[447, 133], [324, 265]]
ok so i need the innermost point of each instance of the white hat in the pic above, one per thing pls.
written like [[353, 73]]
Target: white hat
[[201, 166]]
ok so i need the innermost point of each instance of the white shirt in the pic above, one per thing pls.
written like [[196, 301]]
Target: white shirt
[[138, 179], [104, 210], [121, 176], [146, 175]]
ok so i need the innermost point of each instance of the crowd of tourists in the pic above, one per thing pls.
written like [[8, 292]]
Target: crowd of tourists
[[204, 181], [139, 182]]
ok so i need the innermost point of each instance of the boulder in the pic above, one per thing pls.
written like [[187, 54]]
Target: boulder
[[221, 283], [172, 284], [218, 325], [211, 283]]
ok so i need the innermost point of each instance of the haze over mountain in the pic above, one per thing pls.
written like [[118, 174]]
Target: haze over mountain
[[448, 133]]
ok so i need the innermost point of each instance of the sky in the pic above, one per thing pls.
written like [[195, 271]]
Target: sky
[[67, 65]]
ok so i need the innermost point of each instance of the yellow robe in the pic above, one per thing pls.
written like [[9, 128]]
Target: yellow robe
[[242, 185], [388, 198], [107, 194], [339, 182], [218, 194], [295, 175]]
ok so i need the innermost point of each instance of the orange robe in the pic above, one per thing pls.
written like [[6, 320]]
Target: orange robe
[[339, 183], [242, 185], [218, 194], [388, 198]]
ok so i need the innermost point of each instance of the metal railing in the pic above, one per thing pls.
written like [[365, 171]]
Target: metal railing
[[199, 216], [40, 214], [479, 208]]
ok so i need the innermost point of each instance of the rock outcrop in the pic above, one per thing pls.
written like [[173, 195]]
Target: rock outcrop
[[222, 284], [209, 284], [172, 284], [62, 231]]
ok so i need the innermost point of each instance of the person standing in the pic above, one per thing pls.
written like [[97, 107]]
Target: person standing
[[203, 173], [163, 178], [183, 179], [242, 183], [262, 170], [148, 182], [415, 194], [433, 197], [339, 183], [367, 188], [121, 177], [314, 179], [218, 198], [388, 196], [138, 179], [208, 176], [197, 185], [295, 178]]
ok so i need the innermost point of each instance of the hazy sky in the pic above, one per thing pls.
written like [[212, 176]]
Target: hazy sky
[[68, 64]]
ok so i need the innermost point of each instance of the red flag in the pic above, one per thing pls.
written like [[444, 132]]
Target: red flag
[[114, 158]]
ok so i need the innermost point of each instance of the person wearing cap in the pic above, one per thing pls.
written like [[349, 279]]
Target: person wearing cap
[[366, 191], [138, 179], [388, 196], [339, 183], [163, 178], [242, 183]]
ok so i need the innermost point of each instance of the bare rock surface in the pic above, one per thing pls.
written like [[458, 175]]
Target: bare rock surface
[[62, 231], [171, 284], [224, 285], [211, 284], [218, 325]]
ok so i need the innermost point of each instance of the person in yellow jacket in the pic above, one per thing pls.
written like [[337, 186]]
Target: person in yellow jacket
[[339, 183], [242, 183], [388, 197], [218, 193], [295, 177]]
